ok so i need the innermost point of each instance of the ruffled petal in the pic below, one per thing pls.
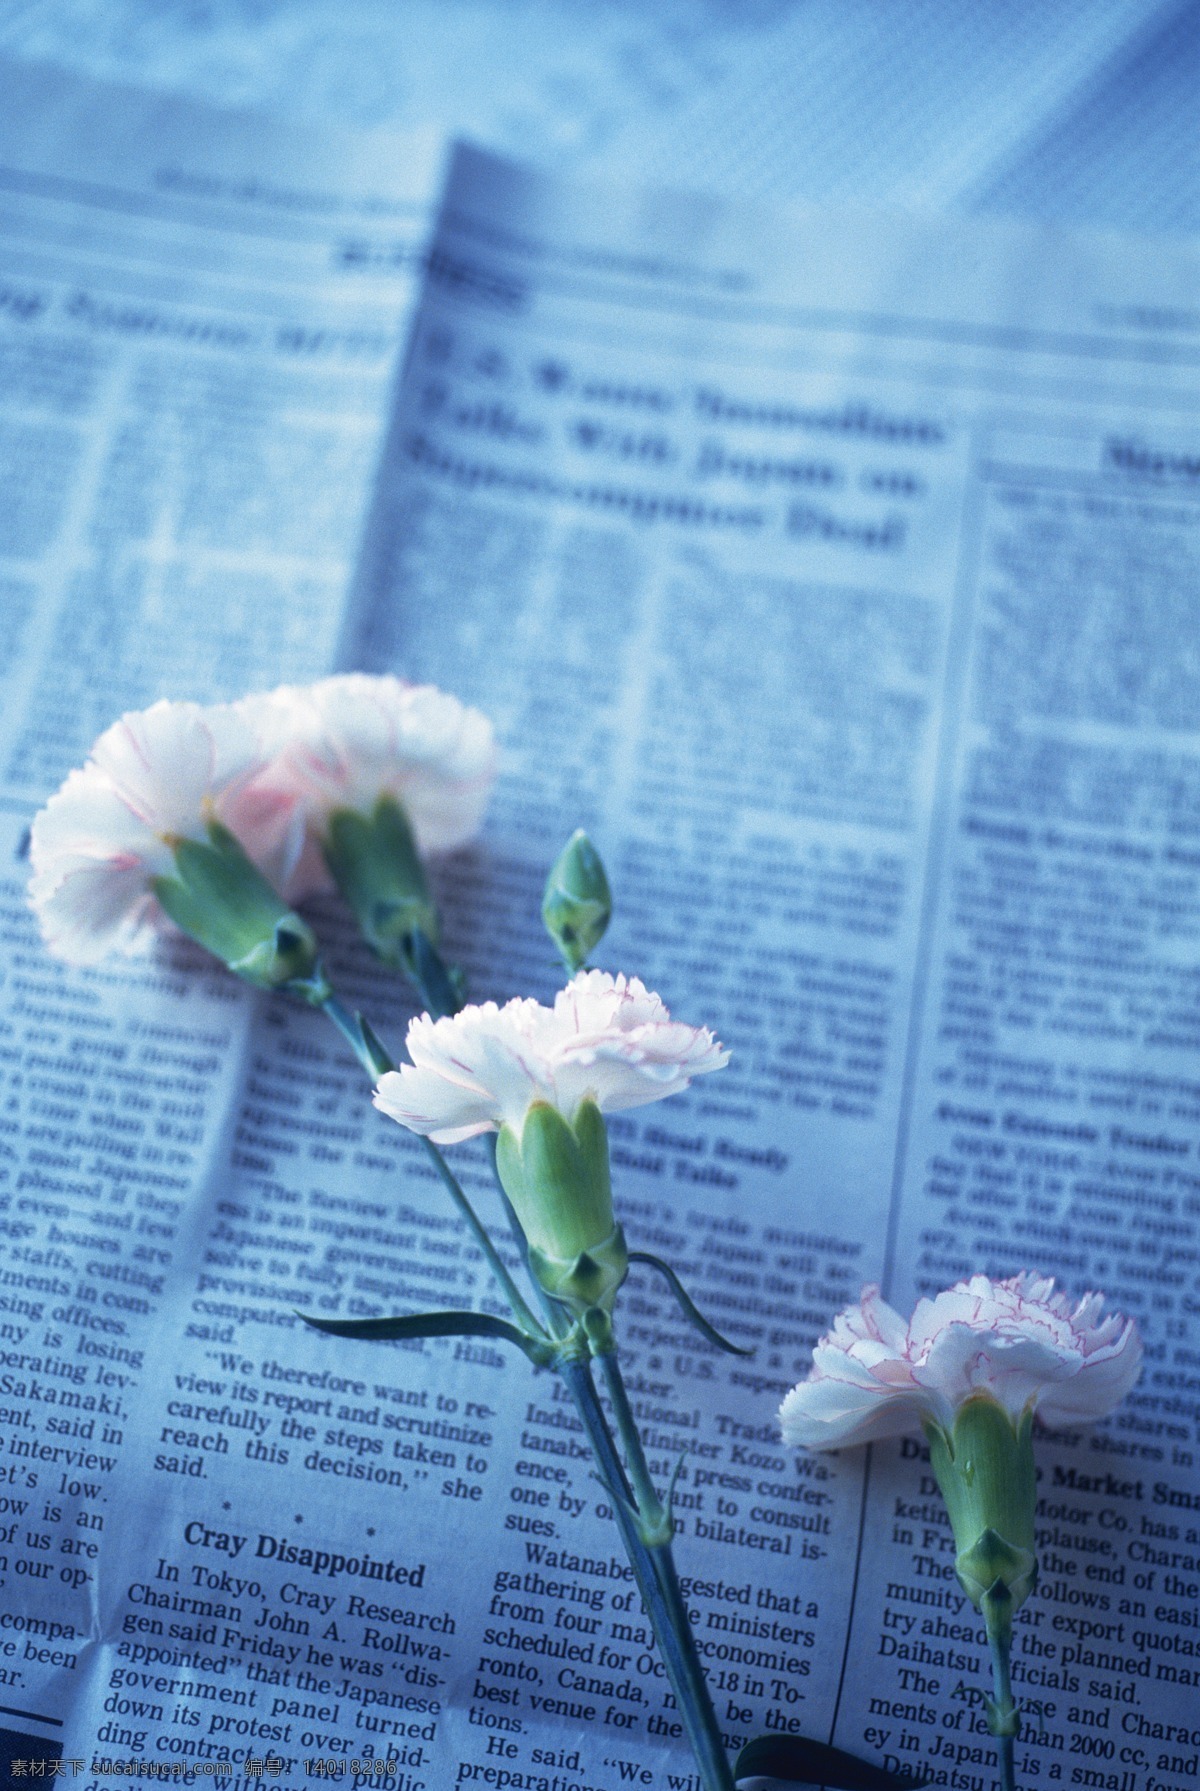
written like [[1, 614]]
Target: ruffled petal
[[1017, 1340], [174, 763], [426, 1104], [154, 778], [827, 1412], [346, 741], [496, 1061], [1105, 1377]]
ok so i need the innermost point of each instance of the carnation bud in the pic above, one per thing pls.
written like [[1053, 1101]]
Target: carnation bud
[[223, 901], [374, 862], [555, 1173], [577, 904]]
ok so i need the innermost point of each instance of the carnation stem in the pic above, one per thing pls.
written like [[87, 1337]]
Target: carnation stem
[[649, 1506], [351, 1029], [655, 1531], [654, 1571], [366, 1047], [512, 1293], [1003, 1719]]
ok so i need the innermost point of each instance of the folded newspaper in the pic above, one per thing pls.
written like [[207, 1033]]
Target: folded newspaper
[[838, 573]]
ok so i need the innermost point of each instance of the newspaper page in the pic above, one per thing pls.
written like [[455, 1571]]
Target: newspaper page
[[836, 574], [832, 571], [199, 319]]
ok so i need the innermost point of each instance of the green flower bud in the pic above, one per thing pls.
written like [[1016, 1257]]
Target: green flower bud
[[374, 862], [223, 901], [984, 1467], [577, 904], [555, 1173]]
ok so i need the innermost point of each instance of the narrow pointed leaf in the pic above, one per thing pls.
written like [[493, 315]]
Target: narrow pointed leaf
[[433, 978], [800, 1762], [669, 1501], [435, 1324], [686, 1303], [376, 1051], [661, 1534]]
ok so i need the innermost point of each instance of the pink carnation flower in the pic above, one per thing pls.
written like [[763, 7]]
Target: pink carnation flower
[[875, 1376], [346, 741], [606, 1038], [153, 778]]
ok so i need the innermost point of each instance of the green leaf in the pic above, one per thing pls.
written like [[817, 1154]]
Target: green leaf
[[441, 986], [436, 1324], [801, 1762], [374, 1049], [687, 1305]]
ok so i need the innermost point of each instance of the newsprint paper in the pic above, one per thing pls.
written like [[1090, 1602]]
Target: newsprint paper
[[840, 575]]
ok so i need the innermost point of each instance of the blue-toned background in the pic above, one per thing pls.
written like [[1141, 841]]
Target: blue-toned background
[[1082, 110]]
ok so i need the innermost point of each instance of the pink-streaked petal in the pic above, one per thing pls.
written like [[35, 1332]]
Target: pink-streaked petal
[[99, 908], [833, 1363], [346, 741], [270, 825], [421, 1101], [1101, 1384], [595, 1003], [96, 848], [173, 761], [1019, 1340], [965, 1359], [499, 1060], [881, 1320], [831, 1413]]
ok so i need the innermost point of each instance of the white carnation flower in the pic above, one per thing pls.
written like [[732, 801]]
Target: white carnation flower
[[1025, 1346], [345, 742], [153, 779], [607, 1039]]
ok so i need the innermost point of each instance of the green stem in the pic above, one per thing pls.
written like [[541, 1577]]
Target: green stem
[[512, 1293], [426, 971], [648, 1503], [367, 1051], [673, 1638], [432, 981], [707, 1742], [350, 1027], [1003, 1720], [671, 1626]]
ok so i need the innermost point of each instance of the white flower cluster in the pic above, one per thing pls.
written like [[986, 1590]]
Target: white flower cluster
[[272, 769], [275, 771]]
